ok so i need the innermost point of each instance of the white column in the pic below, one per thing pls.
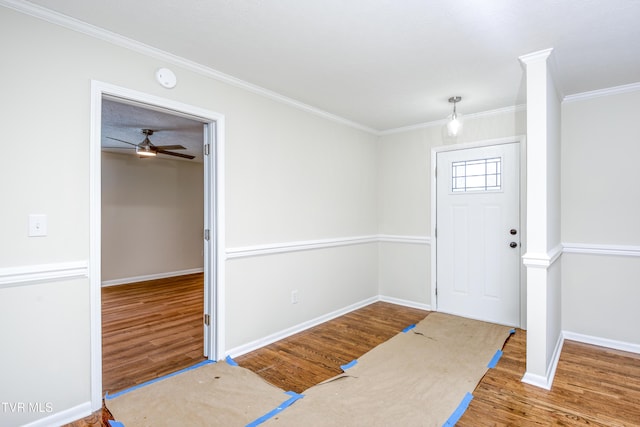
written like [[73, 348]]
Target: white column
[[544, 340]]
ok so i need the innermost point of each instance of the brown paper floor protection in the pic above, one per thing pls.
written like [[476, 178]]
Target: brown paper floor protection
[[215, 394], [417, 378]]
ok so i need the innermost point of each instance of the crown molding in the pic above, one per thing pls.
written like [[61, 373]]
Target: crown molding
[[616, 90], [134, 45], [482, 114]]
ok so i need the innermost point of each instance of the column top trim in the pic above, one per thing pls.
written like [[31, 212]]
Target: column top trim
[[540, 55]]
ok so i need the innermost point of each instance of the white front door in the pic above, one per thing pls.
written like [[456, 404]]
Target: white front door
[[478, 233]]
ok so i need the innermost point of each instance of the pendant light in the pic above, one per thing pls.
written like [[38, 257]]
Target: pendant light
[[454, 125]]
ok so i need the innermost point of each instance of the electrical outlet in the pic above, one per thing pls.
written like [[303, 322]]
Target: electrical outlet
[[294, 296]]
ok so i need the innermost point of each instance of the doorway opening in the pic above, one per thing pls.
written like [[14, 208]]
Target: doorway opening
[[152, 266], [156, 220]]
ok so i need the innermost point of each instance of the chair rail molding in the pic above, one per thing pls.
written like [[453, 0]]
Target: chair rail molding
[[305, 245], [32, 274], [598, 249]]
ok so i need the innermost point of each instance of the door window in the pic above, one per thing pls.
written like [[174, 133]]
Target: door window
[[476, 175]]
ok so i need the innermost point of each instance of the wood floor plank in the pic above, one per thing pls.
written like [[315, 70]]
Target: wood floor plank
[[150, 329], [312, 356], [593, 386]]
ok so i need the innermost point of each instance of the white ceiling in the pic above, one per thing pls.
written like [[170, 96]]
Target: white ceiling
[[386, 64]]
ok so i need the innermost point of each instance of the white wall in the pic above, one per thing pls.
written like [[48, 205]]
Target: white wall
[[300, 182], [152, 216], [326, 280], [404, 199], [290, 175], [294, 177], [600, 174], [45, 338], [601, 210]]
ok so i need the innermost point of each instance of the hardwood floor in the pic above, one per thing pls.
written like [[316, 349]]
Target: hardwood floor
[[150, 329], [99, 418], [593, 386], [312, 356]]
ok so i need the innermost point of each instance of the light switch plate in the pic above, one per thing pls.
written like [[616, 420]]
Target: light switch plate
[[37, 225]]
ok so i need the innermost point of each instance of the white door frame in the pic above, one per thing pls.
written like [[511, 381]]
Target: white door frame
[[521, 139], [214, 341]]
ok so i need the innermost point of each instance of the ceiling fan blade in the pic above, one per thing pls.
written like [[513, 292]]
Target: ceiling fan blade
[[171, 153], [117, 148], [170, 147], [116, 139]]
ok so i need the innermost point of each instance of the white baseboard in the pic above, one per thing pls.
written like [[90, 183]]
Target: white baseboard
[[546, 381], [156, 276], [405, 303], [270, 339], [64, 417], [602, 342], [536, 380]]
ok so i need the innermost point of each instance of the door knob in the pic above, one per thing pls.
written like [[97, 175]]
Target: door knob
[[513, 244], [513, 231]]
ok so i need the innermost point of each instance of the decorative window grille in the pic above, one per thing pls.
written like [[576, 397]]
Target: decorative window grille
[[476, 175]]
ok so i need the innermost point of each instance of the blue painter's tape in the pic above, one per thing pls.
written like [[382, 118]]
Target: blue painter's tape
[[513, 331], [115, 423], [349, 365], [284, 405], [494, 361], [457, 414], [125, 391], [230, 361], [408, 328]]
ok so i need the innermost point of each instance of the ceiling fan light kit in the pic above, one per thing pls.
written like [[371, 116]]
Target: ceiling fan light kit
[[145, 152], [147, 149]]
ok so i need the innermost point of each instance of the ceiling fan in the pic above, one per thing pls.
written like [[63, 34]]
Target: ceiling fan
[[147, 149]]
